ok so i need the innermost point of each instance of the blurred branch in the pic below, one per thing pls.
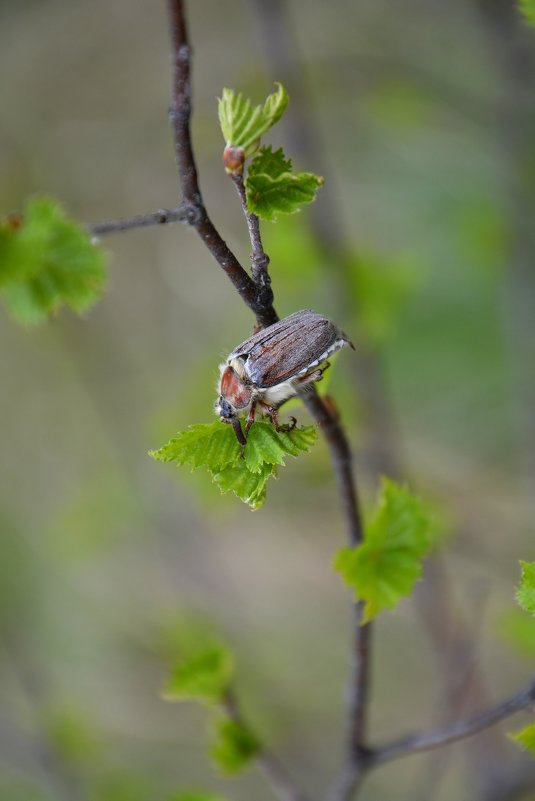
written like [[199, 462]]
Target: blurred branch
[[274, 772], [414, 743], [435, 738]]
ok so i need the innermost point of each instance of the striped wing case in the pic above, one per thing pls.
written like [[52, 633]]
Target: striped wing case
[[289, 348]]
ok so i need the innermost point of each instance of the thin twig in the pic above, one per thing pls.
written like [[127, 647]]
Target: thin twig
[[161, 217], [359, 685], [435, 738], [259, 257], [180, 115], [351, 777]]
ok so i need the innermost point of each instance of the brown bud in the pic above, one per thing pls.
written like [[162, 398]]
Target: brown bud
[[234, 159]]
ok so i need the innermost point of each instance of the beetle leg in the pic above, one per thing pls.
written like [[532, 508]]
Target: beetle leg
[[272, 413], [250, 417]]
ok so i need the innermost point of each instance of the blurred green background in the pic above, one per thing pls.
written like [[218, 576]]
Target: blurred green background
[[421, 116]]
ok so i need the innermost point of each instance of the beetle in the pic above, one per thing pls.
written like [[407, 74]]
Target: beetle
[[273, 365]]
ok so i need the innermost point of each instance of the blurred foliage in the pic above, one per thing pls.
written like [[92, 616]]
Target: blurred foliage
[[203, 675], [527, 8], [525, 738], [234, 747], [519, 631], [389, 562], [195, 795], [525, 593], [73, 739], [47, 261]]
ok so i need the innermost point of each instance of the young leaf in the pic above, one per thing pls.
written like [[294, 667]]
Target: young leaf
[[270, 162], [527, 7], [272, 187], [212, 445], [388, 563], [235, 746], [47, 261], [525, 738], [215, 447], [243, 124], [249, 487], [203, 675], [525, 593], [265, 445]]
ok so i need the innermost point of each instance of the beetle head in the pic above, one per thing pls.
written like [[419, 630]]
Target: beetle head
[[235, 395], [224, 409]]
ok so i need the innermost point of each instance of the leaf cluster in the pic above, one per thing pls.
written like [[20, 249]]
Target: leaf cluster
[[47, 261], [386, 566], [527, 8], [272, 187], [203, 671], [215, 447], [525, 595]]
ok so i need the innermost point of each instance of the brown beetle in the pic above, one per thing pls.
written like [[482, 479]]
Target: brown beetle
[[273, 365]]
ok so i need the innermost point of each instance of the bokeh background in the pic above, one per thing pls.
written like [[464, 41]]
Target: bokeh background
[[421, 116]]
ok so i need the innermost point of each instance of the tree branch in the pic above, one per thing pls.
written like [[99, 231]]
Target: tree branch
[[180, 115], [260, 301], [259, 257], [270, 766], [181, 213], [435, 738], [416, 742]]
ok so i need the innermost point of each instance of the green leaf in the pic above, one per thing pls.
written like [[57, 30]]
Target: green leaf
[[265, 445], [215, 447], [525, 738], [235, 746], [212, 445], [47, 261], [388, 563], [203, 675], [270, 162], [525, 594], [272, 188], [249, 487], [243, 124], [527, 7]]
